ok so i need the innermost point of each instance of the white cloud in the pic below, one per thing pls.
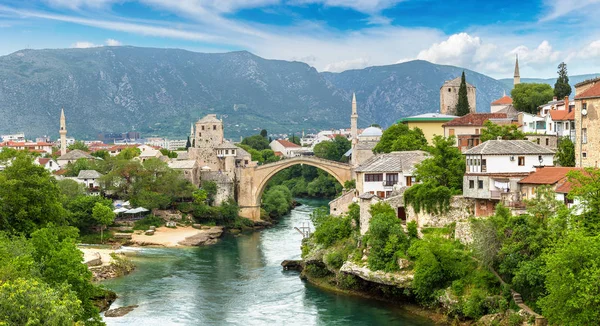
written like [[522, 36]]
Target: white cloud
[[366, 6], [339, 66], [77, 4], [542, 55], [592, 50], [458, 49], [112, 42], [559, 8], [83, 45]]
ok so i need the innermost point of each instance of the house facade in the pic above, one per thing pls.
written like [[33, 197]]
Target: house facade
[[430, 123], [286, 148], [467, 129], [587, 123], [494, 169]]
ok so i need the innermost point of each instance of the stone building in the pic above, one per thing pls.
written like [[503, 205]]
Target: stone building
[[449, 96], [587, 123]]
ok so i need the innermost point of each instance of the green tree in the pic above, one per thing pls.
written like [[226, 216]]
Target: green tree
[[70, 189], [211, 191], [277, 201], [399, 137], [257, 142], [74, 168], [104, 216], [188, 143], [462, 107], [565, 154], [527, 97], [294, 139], [80, 210], [103, 154], [168, 153], [79, 145], [333, 150], [562, 87], [386, 239], [129, 153], [264, 133], [492, 131], [586, 188], [29, 197]]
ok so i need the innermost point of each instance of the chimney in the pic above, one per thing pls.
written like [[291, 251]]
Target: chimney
[[567, 104], [555, 99]]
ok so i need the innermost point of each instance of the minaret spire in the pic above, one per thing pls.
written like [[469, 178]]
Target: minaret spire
[[354, 128], [63, 132], [517, 77]]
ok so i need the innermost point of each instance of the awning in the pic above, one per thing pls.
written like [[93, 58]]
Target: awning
[[120, 210]]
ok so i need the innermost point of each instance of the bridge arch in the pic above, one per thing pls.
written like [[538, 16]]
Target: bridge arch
[[254, 180]]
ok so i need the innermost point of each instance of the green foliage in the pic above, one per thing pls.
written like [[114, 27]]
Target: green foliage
[[257, 142], [565, 154], [446, 166], [264, 133], [354, 213], [336, 258], [103, 154], [399, 137], [330, 229], [29, 197], [80, 209], [148, 221], [129, 153], [33, 302], [507, 132], [211, 191], [428, 197], [527, 97], [103, 215], [168, 153], [572, 268], [462, 107], [316, 271], [70, 188], [277, 201], [78, 145], [562, 87], [333, 150], [294, 139], [587, 190], [350, 184], [385, 238], [412, 230]]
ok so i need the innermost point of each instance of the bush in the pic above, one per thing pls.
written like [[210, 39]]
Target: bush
[[316, 271], [413, 231], [145, 223], [337, 258], [386, 239], [332, 229], [348, 281], [475, 304]]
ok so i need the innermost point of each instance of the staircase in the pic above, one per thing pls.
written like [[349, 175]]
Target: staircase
[[517, 297]]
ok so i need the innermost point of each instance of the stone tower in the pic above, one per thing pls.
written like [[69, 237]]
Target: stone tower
[[517, 77], [354, 127], [209, 132], [449, 96], [63, 133]]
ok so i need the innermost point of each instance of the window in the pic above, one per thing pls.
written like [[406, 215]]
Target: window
[[521, 160], [214, 127], [471, 184], [476, 131], [202, 127], [451, 132], [480, 184], [233, 151], [381, 194], [226, 152], [387, 194], [391, 179], [584, 135], [246, 162], [449, 90], [373, 177], [567, 125], [538, 141], [199, 134], [584, 154], [547, 141], [409, 181]]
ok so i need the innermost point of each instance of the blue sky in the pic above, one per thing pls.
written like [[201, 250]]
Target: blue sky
[[331, 35]]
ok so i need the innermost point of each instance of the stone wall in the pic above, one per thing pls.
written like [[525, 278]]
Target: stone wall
[[449, 98], [225, 185], [463, 232], [340, 205], [365, 215], [460, 209], [548, 141]]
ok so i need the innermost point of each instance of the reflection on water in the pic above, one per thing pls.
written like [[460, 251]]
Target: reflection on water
[[239, 281]]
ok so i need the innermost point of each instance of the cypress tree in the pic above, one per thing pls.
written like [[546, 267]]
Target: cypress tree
[[462, 107], [188, 144], [562, 87]]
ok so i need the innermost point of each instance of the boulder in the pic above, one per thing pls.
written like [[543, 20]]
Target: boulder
[[297, 265], [206, 227], [402, 279], [171, 224], [152, 227], [149, 232], [95, 260], [119, 312], [121, 228], [204, 237], [235, 231], [197, 226], [126, 236]]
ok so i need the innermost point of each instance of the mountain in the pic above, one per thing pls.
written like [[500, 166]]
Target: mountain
[[162, 91], [508, 82]]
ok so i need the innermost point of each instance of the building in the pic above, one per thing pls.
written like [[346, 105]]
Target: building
[[18, 137], [500, 103], [73, 156], [175, 144], [467, 129], [48, 163], [554, 177], [587, 123], [63, 133], [449, 96], [531, 123], [517, 76], [89, 178], [362, 150], [286, 148], [149, 154], [42, 147], [380, 174], [189, 169], [494, 168], [430, 123]]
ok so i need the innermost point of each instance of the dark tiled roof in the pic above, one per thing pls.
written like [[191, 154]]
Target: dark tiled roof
[[507, 147], [474, 119], [392, 162]]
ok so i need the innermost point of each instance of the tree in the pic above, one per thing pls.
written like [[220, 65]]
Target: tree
[[70, 189], [79, 145], [400, 137], [264, 133], [562, 87], [257, 142], [104, 216], [386, 239], [211, 191], [103, 154], [462, 107], [586, 188], [507, 132], [333, 150], [527, 97], [129, 153], [294, 139], [188, 143], [565, 154]]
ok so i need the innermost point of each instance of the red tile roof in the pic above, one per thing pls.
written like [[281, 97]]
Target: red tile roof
[[593, 91], [279, 154], [43, 161], [503, 100], [562, 115], [547, 175], [474, 119], [287, 143]]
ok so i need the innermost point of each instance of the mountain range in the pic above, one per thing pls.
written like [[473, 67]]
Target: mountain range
[[162, 91]]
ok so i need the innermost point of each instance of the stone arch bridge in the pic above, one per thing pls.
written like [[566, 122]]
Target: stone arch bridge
[[253, 180]]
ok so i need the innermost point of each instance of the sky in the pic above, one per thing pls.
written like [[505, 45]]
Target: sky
[[330, 35]]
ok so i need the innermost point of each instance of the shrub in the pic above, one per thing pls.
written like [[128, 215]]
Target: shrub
[[332, 229], [474, 305], [412, 228], [348, 281], [146, 222], [316, 271], [386, 239]]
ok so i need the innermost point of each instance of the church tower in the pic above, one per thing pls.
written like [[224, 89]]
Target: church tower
[[63, 133], [517, 77], [354, 128]]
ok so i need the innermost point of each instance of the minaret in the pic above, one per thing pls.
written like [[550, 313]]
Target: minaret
[[517, 78], [191, 131], [354, 128], [63, 133]]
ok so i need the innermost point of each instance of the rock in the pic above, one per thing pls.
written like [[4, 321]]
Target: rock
[[149, 232], [402, 279], [296, 265], [197, 226], [205, 227], [152, 227], [205, 237], [404, 263], [235, 231], [126, 236], [119, 312], [171, 224], [262, 223], [489, 320], [121, 228], [96, 260]]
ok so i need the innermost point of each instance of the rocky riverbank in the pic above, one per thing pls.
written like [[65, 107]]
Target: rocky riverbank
[[197, 235], [106, 263]]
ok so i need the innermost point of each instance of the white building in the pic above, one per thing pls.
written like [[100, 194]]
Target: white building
[[174, 144], [286, 148], [500, 103], [73, 156], [494, 168], [48, 163], [531, 123], [19, 137], [89, 178]]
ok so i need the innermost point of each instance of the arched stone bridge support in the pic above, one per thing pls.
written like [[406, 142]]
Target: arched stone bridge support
[[253, 180]]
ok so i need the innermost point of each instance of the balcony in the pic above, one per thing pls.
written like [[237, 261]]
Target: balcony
[[389, 183], [496, 194]]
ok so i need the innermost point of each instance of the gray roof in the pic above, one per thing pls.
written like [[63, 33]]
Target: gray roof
[[367, 195], [209, 118], [366, 144], [182, 155], [393, 162], [455, 82], [226, 145], [89, 174], [241, 153], [507, 147], [182, 164], [75, 155], [510, 111]]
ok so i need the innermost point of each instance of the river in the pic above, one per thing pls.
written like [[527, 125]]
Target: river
[[239, 281]]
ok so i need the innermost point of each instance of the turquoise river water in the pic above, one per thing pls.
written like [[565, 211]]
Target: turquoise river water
[[239, 281]]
